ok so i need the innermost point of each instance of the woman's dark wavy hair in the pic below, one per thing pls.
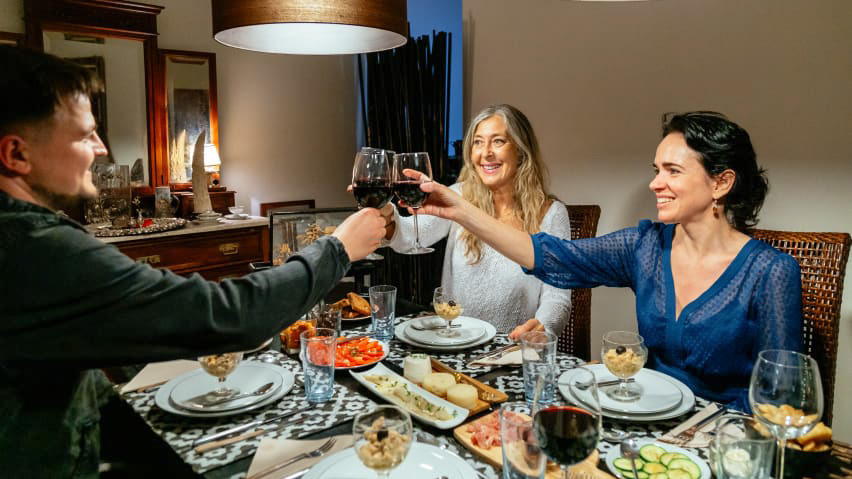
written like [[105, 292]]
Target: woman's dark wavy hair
[[724, 145]]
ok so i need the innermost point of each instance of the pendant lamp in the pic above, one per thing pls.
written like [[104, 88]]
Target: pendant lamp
[[311, 27]]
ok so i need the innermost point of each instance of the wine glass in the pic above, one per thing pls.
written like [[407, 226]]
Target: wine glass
[[447, 308], [221, 365], [785, 394], [569, 434], [408, 190], [371, 182], [624, 353], [382, 438]]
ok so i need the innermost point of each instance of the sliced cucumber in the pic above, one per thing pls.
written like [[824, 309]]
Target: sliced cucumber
[[678, 474], [639, 474], [624, 464], [654, 468], [685, 464], [659, 475], [671, 456], [651, 452]]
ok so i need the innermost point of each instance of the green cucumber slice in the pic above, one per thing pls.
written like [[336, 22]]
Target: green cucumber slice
[[651, 452], [639, 474], [671, 456], [685, 464], [678, 474], [624, 464], [654, 468], [659, 475]]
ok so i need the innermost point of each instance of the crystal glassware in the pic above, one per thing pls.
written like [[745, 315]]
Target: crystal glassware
[[382, 438], [448, 308], [408, 190], [220, 366], [623, 353], [785, 394], [371, 182]]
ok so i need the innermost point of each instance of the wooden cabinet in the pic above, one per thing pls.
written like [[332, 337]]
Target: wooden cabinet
[[215, 252]]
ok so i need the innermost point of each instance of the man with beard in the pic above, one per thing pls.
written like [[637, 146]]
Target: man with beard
[[71, 304]]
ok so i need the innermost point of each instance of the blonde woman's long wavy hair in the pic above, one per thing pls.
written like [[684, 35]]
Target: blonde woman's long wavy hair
[[531, 195]]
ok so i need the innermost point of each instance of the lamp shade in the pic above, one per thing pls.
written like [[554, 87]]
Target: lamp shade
[[211, 156], [311, 27]]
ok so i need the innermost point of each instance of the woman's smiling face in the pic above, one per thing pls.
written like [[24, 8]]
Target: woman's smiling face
[[494, 155]]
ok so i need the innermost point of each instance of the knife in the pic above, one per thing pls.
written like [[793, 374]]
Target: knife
[[245, 427]]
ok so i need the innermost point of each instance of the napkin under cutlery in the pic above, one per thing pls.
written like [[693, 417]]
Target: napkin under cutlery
[[505, 357], [701, 438], [154, 374], [275, 451]]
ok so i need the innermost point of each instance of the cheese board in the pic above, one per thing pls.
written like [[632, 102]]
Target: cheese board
[[487, 395]]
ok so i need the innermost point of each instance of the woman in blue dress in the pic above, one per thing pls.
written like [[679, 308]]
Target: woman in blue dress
[[708, 297]]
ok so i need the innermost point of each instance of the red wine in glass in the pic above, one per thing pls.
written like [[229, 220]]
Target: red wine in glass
[[567, 434], [410, 193], [408, 190], [371, 193]]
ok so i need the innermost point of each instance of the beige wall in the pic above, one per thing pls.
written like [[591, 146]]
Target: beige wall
[[595, 78]]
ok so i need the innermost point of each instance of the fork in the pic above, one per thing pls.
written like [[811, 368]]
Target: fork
[[326, 446], [688, 434]]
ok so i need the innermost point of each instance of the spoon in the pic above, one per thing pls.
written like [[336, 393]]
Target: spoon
[[257, 392], [630, 450]]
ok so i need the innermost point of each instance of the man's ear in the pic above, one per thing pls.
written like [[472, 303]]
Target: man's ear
[[724, 182], [15, 155]]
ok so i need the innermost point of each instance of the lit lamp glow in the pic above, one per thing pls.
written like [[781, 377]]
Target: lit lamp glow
[[211, 164]]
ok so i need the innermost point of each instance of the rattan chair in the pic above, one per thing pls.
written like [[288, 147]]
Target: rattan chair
[[576, 335], [822, 258]]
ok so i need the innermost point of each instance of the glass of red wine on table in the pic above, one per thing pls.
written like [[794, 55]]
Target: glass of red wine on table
[[408, 189], [569, 434], [371, 182]]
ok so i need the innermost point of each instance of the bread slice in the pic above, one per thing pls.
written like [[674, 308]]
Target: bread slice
[[358, 303]]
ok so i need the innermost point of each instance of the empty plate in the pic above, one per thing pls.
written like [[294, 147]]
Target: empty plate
[[246, 378]]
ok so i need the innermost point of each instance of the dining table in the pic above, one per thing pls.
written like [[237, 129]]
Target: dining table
[[335, 417]]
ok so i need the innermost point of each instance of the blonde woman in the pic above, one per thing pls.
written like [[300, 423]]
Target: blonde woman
[[503, 175]]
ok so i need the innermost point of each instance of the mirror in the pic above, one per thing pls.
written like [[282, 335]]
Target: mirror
[[189, 79], [118, 41]]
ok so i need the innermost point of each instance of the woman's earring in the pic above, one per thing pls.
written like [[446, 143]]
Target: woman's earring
[[715, 208]]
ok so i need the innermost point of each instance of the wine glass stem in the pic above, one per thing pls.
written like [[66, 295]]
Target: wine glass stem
[[416, 231], [779, 457], [564, 471], [383, 474]]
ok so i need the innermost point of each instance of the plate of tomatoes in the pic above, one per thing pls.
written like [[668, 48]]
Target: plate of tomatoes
[[358, 352]]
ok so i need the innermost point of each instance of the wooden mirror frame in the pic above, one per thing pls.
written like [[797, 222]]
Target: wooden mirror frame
[[114, 18], [162, 94]]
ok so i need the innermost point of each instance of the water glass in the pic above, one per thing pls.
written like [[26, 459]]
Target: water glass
[[326, 316], [538, 351], [522, 458], [383, 311], [739, 450], [318, 348]]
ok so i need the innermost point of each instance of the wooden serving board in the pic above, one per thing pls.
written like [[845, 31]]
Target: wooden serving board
[[495, 395], [588, 469]]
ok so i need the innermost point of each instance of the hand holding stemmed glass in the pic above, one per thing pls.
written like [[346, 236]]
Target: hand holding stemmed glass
[[408, 189], [221, 365], [371, 182], [382, 438], [785, 394], [448, 308], [624, 353], [569, 434]]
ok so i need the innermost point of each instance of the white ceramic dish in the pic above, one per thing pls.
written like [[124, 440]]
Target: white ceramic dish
[[385, 351], [422, 461], [459, 413], [246, 378], [163, 397], [576, 396], [490, 332], [463, 335], [615, 453], [659, 393], [241, 216]]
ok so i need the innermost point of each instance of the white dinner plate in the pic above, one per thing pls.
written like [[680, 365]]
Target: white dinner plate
[[241, 216], [246, 378], [490, 332], [164, 402], [459, 413], [659, 393], [462, 335], [422, 461], [615, 453], [576, 396], [385, 351]]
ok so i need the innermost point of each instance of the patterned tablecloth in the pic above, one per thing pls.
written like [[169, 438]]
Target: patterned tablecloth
[[179, 432]]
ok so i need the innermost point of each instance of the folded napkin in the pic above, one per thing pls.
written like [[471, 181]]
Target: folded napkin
[[275, 451], [512, 357], [158, 373], [701, 438]]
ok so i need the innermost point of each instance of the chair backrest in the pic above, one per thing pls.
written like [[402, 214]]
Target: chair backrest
[[273, 207], [575, 338], [822, 259]]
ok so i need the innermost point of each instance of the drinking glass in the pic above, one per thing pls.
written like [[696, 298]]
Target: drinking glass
[[522, 458], [447, 308], [382, 438], [569, 434], [382, 310], [318, 348], [538, 354], [221, 365], [785, 394], [739, 450], [371, 182], [624, 353], [408, 190]]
